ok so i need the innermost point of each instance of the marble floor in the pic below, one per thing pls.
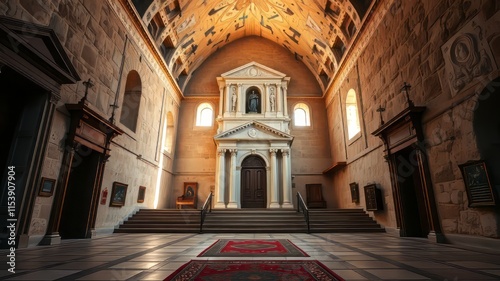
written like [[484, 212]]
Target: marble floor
[[376, 256]]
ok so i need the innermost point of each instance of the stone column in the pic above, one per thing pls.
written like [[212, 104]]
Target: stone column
[[287, 187], [274, 180], [220, 179], [232, 181], [279, 100], [241, 99], [265, 98], [285, 106], [221, 101], [227, 108]]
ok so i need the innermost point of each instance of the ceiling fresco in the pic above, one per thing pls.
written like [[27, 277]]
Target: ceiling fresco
[[317, 32]]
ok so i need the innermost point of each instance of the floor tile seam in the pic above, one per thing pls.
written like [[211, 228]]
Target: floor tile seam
[[102, 266], [382, 258]]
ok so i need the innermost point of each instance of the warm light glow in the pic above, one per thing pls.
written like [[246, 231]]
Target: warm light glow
[[351, 106], [204, 115], [160, 165], [301, 115]]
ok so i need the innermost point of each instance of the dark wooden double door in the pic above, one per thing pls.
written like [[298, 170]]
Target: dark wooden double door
[[253, 183]]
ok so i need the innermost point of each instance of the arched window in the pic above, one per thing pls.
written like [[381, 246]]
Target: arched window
[[204, 115], [301, 115], [351, 109], [169, 132], [131, 101]]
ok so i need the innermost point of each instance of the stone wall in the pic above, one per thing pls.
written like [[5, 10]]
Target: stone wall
[[94, 38], [195, 150], [416, 42], [245, 50], [310, 153]]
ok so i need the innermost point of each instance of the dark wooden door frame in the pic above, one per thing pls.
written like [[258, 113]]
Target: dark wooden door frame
[[22, 47], [405, 131], [254, 165]]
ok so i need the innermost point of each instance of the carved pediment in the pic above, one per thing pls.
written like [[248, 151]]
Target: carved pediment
[[253, 131], [253, 70]]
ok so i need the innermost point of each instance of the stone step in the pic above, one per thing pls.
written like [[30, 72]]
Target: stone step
[[249, 221]]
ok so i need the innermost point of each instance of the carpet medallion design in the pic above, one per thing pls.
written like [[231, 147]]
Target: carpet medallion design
[[270, 270], [253, 248]]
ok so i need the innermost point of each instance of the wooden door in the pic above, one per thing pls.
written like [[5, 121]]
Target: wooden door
[[253, 183]]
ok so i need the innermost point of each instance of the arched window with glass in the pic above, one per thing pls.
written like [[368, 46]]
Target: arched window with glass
[[352, 115], [204, 115], [301, 115]]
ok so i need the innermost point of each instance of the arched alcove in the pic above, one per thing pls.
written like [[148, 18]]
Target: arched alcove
[[486, 126]]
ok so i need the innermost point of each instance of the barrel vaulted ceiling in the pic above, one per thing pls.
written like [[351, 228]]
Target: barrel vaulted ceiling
[[318, 32]]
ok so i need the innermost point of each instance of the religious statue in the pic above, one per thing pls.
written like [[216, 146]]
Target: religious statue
[[253, 102], [234, 98], [272, 99]]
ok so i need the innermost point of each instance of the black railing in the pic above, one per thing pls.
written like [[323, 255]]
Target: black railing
[[207, 208], [302, 205]]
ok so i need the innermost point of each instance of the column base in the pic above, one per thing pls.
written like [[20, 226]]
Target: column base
[[287, 206], [51, 239], [219, 205], [436, 237], [232, 205], [274, 205]]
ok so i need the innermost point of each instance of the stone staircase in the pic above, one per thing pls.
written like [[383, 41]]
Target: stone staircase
[[249, 221], [162, 221], [342, 220], [255, 221]]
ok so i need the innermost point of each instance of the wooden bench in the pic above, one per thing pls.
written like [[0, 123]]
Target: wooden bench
[[189, 198]]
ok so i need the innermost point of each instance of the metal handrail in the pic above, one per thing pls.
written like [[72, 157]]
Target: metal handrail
[[207, 208], [305, 210]]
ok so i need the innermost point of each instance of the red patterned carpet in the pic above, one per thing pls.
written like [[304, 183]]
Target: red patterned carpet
[[253, 248], [271, 270]]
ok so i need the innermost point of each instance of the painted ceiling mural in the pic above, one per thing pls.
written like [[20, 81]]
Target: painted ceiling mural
[[317, 32]]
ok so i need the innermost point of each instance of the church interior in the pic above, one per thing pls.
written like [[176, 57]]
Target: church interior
[[386, 107]]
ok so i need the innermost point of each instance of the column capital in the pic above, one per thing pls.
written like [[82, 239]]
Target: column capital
[[233, 151], [240, 85], [221, 151], [285, 151], [273, 151]]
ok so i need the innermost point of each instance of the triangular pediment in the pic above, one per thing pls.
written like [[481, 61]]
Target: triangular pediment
[[39, 46], [253, 70], [254, 131]]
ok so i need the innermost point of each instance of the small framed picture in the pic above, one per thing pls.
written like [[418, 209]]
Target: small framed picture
[[47, 187], [477, 184], [142, 194], [118, 194]]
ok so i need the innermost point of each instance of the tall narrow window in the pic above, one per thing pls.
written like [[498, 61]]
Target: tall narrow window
[[301, 115], [131, 101], [204, 115], [351, 108], [169, 132]]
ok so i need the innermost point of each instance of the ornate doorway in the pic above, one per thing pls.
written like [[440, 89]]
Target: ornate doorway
[[253, 183]]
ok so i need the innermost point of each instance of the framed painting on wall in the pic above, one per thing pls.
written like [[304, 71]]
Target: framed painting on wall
[[477, 184], [47, 187], [142, 194], [118, 194]]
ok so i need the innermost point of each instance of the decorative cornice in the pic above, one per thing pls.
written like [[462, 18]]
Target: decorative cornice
[[357, 47], [256, 124]]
